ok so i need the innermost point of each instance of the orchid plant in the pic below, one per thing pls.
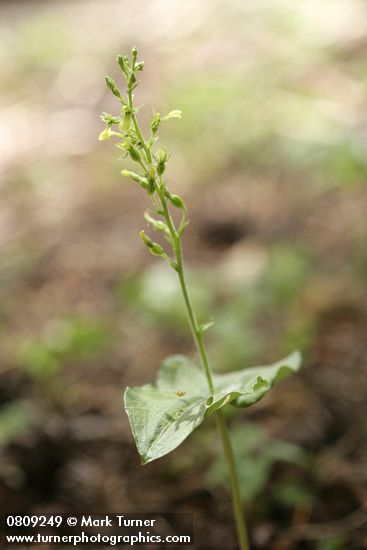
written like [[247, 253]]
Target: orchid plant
[[163, 414]]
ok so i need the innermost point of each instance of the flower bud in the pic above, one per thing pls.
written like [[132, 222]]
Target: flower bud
[[134, 154], [112, 86], [154, 248], [155, 122], [176, 200], [123, 62], [156, 224], [162, 159], [134, 55], [151, 179], [136, 177], [162, 155], [128, 146], [146, 240], [132, 80]]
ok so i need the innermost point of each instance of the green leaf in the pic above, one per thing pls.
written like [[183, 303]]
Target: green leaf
[[245, 387], [162, 415]]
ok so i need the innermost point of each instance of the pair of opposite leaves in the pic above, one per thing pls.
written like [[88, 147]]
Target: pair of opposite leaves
[[163, 414]]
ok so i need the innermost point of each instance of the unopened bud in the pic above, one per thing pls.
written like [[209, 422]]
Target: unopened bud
[[135, 177], [176, 200], [154, 248], [134, 153], [156, 224], [132, 80], [146, 240], [123, 62], [134, 55], [151, 179], [155, 122], [112, 86], [162, 155], [162, 159]]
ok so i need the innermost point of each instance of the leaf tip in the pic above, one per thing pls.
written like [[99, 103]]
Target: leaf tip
[[144, 460]]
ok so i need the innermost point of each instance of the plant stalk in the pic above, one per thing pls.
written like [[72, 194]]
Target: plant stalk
[[236, 497], [220, 419]]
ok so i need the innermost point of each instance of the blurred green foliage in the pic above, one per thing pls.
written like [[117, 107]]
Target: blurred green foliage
[[62, 340], [15, 418], [293, 494], [288, 269], [332, 543], [236, 337], [156, 295], [258, 121], [255, 455]]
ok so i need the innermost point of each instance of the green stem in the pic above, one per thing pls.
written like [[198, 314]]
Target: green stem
[[236, 497], [137, 127], [194, 325], [221, 423]]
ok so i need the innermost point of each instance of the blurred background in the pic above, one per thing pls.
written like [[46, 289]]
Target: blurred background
[[271, 158]]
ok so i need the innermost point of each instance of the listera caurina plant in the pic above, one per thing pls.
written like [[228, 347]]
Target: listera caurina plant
[[163, 414]]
